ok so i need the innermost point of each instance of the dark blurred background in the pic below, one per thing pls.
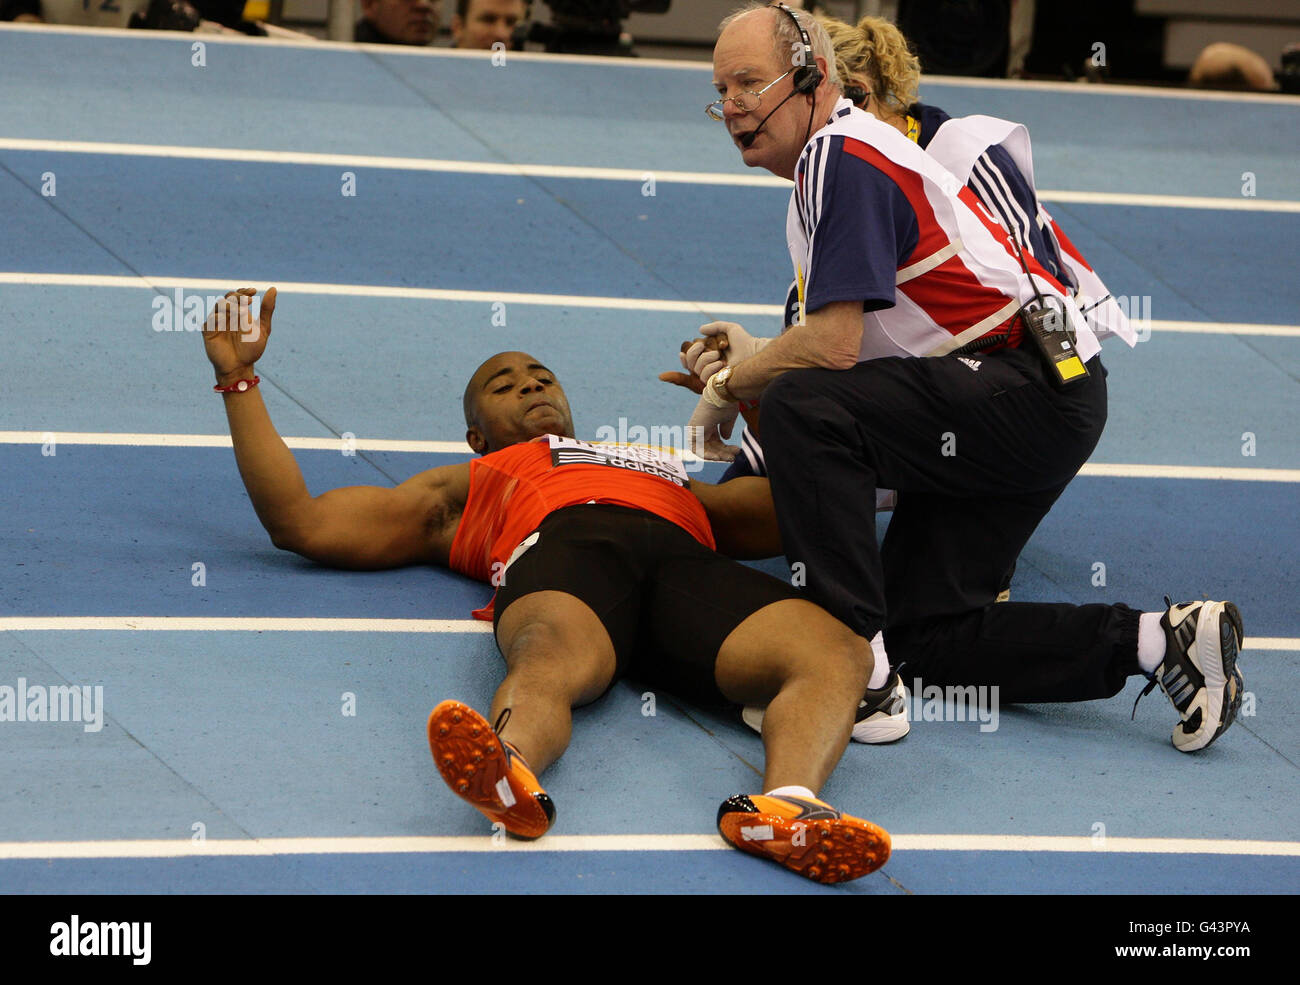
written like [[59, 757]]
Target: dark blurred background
[[1244, 44]]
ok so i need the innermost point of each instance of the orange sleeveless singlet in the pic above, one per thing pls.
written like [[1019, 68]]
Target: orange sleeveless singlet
[[512, 490]]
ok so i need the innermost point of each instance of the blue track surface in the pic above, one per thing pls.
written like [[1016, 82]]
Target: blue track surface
[[89, 535], [694, 873]]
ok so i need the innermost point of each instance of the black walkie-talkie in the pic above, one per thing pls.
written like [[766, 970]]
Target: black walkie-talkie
[[1049, 326]]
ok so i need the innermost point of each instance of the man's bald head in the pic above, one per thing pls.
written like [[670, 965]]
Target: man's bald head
[[787, 42]]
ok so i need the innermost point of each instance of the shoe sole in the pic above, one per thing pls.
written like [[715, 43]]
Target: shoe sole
[[1221, 675], [882, 731], [884, 726], [824, 850], [473, 763]]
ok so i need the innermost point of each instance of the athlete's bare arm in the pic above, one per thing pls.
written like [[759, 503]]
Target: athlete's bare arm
[[742, 516], [365, 527]]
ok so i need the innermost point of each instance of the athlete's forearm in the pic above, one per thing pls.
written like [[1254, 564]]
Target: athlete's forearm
[[742, 516], [270, 472]]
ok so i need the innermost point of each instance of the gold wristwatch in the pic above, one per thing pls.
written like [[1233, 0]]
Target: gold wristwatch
[[719, 382], [716, 392]]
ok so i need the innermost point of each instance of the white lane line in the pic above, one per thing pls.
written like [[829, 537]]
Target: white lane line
[[259, 624], [231, 624], [1169, 201], [219, 287], [428, 164], [354, 846], [1271, 643], [582, 172], [1152, 92], [704, 67], [144, 440], [1225, 328], [1136, 471], [223, 441], [1053, 843], [266, 847], [135, 34]]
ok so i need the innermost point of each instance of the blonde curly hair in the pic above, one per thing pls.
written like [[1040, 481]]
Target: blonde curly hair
[[876, 53]]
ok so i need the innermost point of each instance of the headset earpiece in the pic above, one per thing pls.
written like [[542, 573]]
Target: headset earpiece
[[807, 79], [808, 76]]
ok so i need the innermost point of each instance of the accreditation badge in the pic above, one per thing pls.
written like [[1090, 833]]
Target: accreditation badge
[[662, 463]]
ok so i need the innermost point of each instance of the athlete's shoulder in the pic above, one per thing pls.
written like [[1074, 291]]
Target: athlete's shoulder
[[527, 449]]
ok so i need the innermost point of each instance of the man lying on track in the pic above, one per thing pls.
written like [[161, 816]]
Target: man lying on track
[[605, 565]]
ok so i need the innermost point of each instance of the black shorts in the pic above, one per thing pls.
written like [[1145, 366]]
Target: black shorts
[[666, 600]]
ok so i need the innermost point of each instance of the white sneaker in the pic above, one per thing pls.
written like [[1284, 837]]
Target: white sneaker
[[1199, 673], [881, 718]]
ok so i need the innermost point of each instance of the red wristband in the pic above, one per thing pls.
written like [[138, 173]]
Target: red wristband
[[239, 386], [749, 405]]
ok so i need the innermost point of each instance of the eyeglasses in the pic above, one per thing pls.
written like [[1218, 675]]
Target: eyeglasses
[[746, 102]]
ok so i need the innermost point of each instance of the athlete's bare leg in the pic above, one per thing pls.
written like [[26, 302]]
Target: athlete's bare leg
[[811, 671], [558, 656]]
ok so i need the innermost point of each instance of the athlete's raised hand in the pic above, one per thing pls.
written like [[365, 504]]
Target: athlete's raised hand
[[233, 337]]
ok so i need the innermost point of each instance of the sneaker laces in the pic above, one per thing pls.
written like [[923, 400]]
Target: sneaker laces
[[1152, 681], [1151, 686]]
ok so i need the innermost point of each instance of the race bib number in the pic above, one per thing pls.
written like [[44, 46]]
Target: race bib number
[[659, 462]]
